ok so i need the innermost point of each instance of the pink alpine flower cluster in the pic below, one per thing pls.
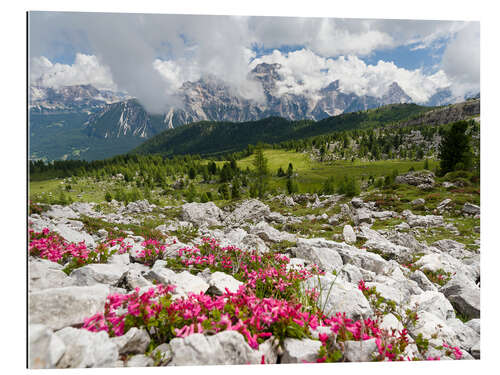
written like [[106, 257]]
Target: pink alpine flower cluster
[[49, 245], [152, 251], [255, 318]]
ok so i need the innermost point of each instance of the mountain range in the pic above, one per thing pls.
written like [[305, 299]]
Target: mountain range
[[90, 123]]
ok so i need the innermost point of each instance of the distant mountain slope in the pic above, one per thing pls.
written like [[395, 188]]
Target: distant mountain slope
[[447, 114], [208, 138], [77, 98], [127, 118], [210, 99]]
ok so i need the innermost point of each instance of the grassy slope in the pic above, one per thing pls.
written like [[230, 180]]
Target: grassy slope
[[212, 138], [311, 174]]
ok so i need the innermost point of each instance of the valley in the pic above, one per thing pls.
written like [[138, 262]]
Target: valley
[[356, 235]]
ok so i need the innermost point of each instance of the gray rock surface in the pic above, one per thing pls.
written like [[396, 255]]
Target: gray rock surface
[[224, 348], [471, 209], [251, 210], [300, 351], [134, 341], [184, 281], [61, 307], [93, 274], [45, 348], [202, 213], [140, 360], [360, 351], [219, 281], [44, 274], [327, 258], [337, 295], [86, 349], [349, 235]]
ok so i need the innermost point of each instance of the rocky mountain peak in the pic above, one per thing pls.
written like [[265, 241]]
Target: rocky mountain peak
[[395, 94]]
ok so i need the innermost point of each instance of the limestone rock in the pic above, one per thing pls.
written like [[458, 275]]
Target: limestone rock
[[337, 295], [219, 281], [252, 210], [45, 348], [360, 351], [134, 341], [349, 235], [44, 274], [471, 209], [300, 351], [202, 213], [86, 349], [224, 348], [61, 307], [92, 274], [327, 258]]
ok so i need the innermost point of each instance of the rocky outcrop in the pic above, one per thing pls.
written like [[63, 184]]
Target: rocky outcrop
[[202, 213], [61, 307], [224, 348]]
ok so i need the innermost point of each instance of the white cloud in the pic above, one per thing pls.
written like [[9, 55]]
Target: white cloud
[[149, 56], [461, 60], [305, 72], [85, 70]]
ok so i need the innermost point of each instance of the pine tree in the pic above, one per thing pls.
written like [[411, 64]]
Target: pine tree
[[454, 150], [235, 189], [261, 172]]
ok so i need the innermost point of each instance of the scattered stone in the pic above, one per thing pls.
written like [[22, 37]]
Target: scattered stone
[[475, 324], [362, 216], [86, 349], [422, 221], [185, 282], [219, 281], [45, 348], [139, 207], [92, 274], [61, 212], [61, 307], [135, 341], [44, 274], [270, 234], [252, 210], [390, 322], [416, 178], [349, 235], [334, 220], [328, 259], [202, 213], [360, 351], [434, 303], [471, 209], [465, 335], [441, 206], [300, 351], [422, 281], [140, 360], [224, 348], [418, 202], [162, 353], [72, 235], [337, 295], [357, 202], [464, 295]]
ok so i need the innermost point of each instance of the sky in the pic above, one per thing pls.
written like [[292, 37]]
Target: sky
[[149, 56]]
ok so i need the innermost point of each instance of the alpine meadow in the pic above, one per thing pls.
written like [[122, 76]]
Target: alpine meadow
[[222, 190]]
